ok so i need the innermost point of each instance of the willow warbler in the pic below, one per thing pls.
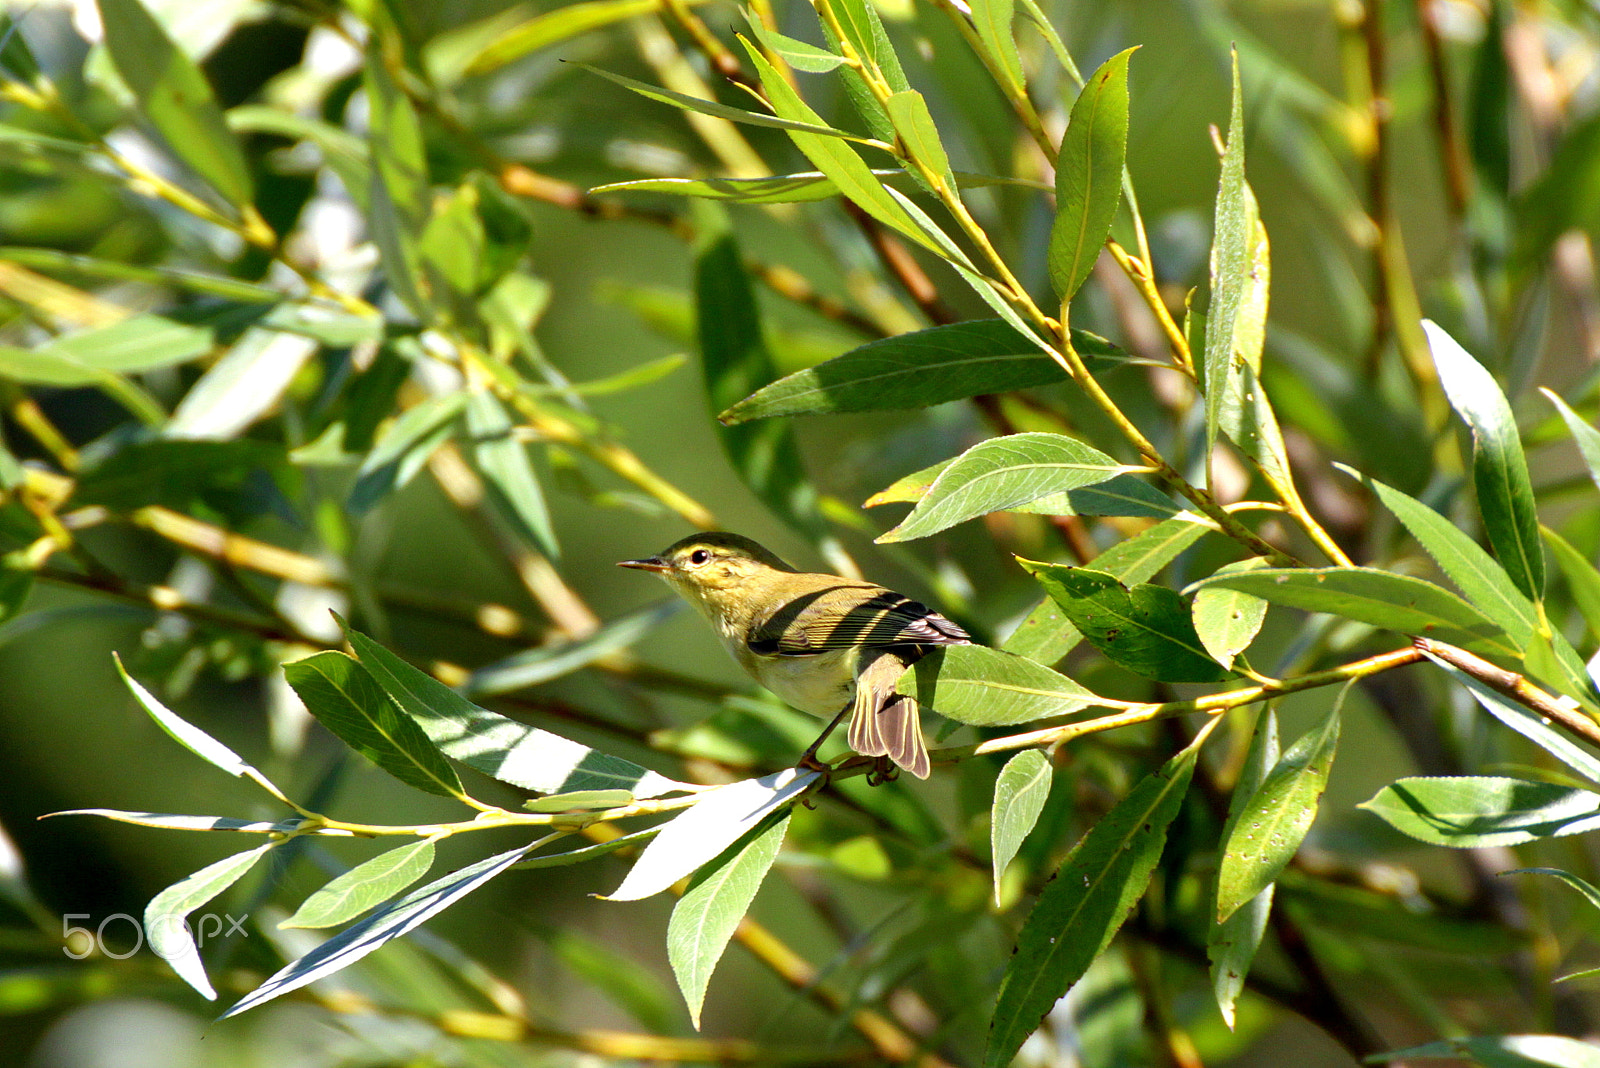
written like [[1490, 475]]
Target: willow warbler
[[825, 644]]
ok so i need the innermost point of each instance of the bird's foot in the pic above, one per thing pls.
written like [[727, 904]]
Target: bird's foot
[[883, 770], [809, 762]]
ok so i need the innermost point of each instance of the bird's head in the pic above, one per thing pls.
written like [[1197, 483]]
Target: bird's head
[[718, 572]]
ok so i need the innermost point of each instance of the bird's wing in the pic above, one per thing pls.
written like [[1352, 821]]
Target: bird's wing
[[851, 615]]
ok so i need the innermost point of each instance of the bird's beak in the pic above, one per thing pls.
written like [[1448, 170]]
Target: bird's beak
[[652, 563]]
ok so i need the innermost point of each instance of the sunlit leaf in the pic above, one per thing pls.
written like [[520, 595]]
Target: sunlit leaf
[[165, 918], [1587, 437], [1381, 598], [388, 923], [1505, 1051], [811, 125], [1089, 175], [508, 473], [1000, 474], [1469, 811], [1499, 468], [1232, 943], [348, 701], [364, 886], [985, 687], [718, 818], [1227, 621], [175, 98], [1020, 791], [545, 28], [1273, 822], [705, 917], [1230, 270], [1082, 907]]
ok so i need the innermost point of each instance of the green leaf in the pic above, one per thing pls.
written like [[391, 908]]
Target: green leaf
[[400, 195], [801, 188], [1232, 943], [704, 919], [1020, 791], [15, 585], [735, 359], [1468, 811], [580, 801], [1587, 437], [813, 125], [404, 447], [913, 125], [185, 734], [1230, 272], [1089, 175], [1146, 629], [865, 32], [1046, 635], [175, 97], [1082, 907], [56, 262], [1582, 886], [1274, 821], [1485, 582], [1227, 621], [512, 752], [552, 27], [508, 472], [344, 153], [1499, 469], [388, 923], [87, 358], [1582, 578], [364, 886], [1527, 723], [245, 384], [798, 54], [1380, 598], [1000, 474], [915, 370], [833, 157], [985, 687], [718, 818], [545, 662], [169, 821], [164, 918], [992, 19], [348, 701], [1506, 1051]]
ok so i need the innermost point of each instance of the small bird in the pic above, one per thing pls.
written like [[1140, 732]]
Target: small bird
[[827, 645]]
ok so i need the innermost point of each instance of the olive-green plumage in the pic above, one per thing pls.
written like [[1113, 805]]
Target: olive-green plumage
[[820, 642]]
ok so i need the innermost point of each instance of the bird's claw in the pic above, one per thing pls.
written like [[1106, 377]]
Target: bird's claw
[[883, 770], [809, 762]]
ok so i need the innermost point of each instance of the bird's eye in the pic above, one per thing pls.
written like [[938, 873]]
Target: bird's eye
[[698, 557]]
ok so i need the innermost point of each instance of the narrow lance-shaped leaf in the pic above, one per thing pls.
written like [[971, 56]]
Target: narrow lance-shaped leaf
[[1505, 1051], [1233, 942], [1499, 468], [1582, 577], [1082, 907], [734, 356], [399, 194], [1582, 886], [1089, 175], [987, 688], [722, 111], [1230, 267], [503, 461], [705, 917], [184, 733], [1020, 791], [915, 370], [992, 20], [798, 54], [718, 818], [1472, 811], [166, 918], [1146, 629], [175, 97], [364, 886], [913, 125], [390, 922], [833, 157], [866, 35], [1274, 821], [1381, 598], [1485, 582], [1587, 437], [1000, 474], [404, 447], [348, 701], [1227, 621], [558, 24], [510, 751]]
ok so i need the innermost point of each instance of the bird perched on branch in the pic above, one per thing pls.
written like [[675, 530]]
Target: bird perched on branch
[[827, 645]]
